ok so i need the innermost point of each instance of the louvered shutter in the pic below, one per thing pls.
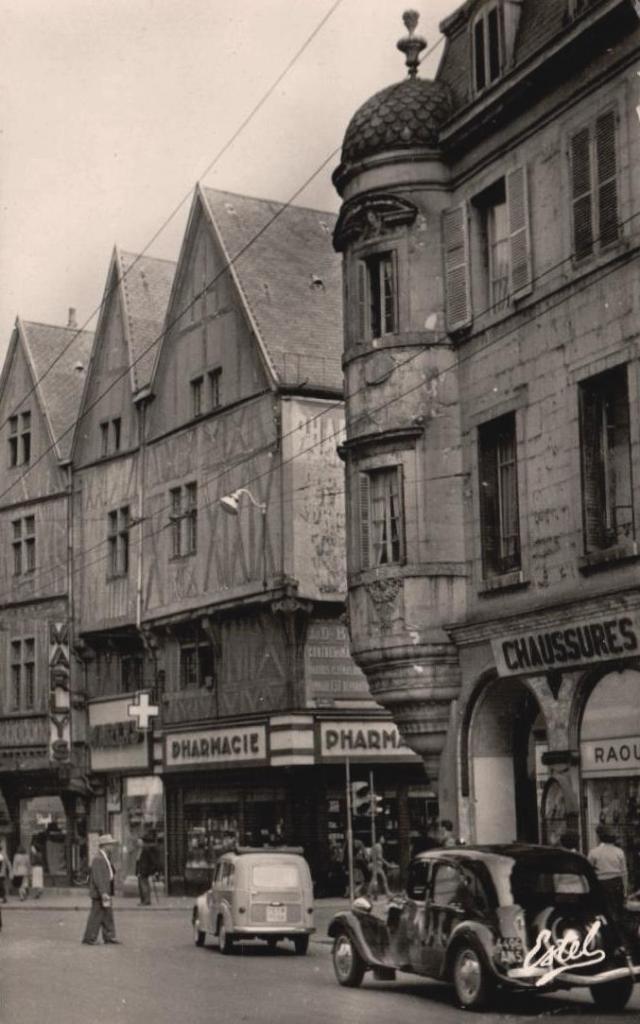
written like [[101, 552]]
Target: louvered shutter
[[606, 165], [581, 194], [489, 501], [361, 285], [520, 274], [593, 498], [455, 231], [364, 520]]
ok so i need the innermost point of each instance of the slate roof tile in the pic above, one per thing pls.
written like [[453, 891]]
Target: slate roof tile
[[291, 280], [146, 285]]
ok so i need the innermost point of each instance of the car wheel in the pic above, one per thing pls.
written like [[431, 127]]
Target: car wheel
[[470, 978], [198, 935], [301, 944], [225, 941], [348, 965], [612, 995]]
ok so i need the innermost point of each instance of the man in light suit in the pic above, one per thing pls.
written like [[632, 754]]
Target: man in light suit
[[101, 895]]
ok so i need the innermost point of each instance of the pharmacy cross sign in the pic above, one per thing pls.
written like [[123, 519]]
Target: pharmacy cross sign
[[143, 711]]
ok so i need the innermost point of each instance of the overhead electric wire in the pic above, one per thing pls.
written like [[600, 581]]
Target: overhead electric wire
[[249, 117]]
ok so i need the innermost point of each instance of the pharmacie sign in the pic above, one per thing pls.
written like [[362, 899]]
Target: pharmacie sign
[[618, 756], [216, 747], [362, 739], [580, 643]]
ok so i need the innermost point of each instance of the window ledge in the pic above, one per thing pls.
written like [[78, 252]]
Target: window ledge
[[507, 581], [606, 557]]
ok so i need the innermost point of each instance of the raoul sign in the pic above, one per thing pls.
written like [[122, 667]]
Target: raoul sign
[[620, 755], [580, 643]]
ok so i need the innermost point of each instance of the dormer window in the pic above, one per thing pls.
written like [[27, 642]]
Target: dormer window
[[487, 47]]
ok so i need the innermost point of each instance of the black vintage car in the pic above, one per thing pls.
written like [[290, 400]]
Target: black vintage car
[[517, 916]]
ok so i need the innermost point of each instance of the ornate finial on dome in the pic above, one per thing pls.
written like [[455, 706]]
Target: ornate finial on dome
[[411, 45]]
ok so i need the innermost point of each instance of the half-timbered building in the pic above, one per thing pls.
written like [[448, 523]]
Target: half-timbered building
[[43, 764]]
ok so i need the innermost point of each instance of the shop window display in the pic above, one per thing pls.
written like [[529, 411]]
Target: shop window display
[[141, 817], [211, 829]]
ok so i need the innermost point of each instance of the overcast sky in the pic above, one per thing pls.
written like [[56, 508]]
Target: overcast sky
[[112, 109]]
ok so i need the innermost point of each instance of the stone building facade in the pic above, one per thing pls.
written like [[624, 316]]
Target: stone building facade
[[489, 232]]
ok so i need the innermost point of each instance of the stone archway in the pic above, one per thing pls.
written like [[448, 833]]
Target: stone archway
[[505, 726]]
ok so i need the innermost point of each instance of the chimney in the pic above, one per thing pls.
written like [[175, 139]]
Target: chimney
[[73, 322]]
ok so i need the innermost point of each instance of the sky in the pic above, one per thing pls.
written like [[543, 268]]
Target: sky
[[111, 111]]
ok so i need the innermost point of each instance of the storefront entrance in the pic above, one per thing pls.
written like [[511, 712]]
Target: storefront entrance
[[505, 728], [610, 761]]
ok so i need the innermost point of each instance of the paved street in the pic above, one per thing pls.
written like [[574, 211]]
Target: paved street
[[158, 975]]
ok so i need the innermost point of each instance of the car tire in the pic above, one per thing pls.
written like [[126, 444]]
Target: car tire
[[301, 944], [348, 965], [471, 980], [612, 995], [198, 936], [225, 940]]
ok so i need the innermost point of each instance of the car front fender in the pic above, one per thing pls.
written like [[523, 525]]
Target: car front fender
[[368, 933]]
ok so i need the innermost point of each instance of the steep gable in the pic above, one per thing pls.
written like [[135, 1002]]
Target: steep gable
[[146, 286], [291, 281]]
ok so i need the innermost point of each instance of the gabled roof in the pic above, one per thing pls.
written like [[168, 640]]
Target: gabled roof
[[146, 285], [55, 354], [290, 279]]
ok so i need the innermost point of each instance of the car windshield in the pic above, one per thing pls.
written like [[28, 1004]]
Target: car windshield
[[275, 876]]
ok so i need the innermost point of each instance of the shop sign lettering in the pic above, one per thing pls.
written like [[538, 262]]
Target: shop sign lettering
[[362, 739], [604, 757], [114, 734], [580, 643], [216, 746]]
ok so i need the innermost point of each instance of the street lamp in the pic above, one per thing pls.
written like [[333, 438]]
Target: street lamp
[[231, 504]]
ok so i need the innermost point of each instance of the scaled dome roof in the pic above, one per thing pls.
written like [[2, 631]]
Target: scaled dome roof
[[404, 115]]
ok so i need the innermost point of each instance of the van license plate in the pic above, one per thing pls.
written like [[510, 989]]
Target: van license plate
[[278, 914]]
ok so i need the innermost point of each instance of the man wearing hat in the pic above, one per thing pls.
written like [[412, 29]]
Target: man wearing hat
[[610, 865], [101, 894]]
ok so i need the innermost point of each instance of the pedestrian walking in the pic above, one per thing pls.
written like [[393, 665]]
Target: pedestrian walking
[[101, 887], [21, 870], [5, 873], [146, 867], [610, 866], [378, 866], [361, 869], [37, 872]]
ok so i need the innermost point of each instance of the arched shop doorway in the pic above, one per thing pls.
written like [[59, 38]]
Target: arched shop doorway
[[506, 735], [610, 763]]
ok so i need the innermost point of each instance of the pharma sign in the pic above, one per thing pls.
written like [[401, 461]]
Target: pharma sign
[[584, 642], [618, 756], [373, 741], [115, 743], [216, 748]]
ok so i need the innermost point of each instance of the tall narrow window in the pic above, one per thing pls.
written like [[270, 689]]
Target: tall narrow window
[[497, 227], [197, 387], [607, 505], [197, 663], [498, 480], [116, 425], [191, 518], [487, 47], [505, 272], [377, 299], [13, 440], [131, 672], [381, 517], [175, 518], [214, 377], [16, 675], [25, 436], [29, 665], [24, 545], [104, 439], [118, 523], [594, 185]]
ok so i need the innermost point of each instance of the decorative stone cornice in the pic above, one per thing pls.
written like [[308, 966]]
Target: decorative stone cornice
[[367, 217]]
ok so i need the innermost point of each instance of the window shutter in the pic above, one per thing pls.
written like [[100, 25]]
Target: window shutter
[[593, 498], [456, 267], [520, 242], [608, 228], [362, 300], [365, 505], [581, 197], [401, 517]]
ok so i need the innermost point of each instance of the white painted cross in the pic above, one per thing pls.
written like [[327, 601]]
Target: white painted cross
[[143, 711]]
